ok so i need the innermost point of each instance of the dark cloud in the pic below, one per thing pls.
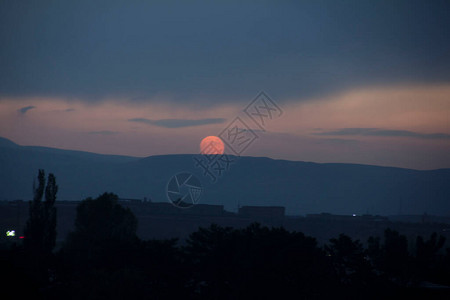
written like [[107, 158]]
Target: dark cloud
[[350, 142], [103, 132], [383, 132], [25, 109], [244, 131], [64, 110], [221, 51], [178, 123]]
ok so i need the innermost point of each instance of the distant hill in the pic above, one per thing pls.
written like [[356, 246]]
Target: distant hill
[[301, 187]]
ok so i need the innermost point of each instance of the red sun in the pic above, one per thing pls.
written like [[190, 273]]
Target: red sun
[[212, 145]]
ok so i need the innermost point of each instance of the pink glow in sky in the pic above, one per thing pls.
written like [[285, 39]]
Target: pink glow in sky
[[399, 126]]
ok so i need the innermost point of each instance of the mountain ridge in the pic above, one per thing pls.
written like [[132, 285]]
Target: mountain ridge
[[301, 187]]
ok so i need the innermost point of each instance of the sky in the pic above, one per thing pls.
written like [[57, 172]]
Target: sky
[[363, 82]]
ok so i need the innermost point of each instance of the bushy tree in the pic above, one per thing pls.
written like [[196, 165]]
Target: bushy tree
[[396, 255], [428, 260], [102, 225], [98, 259], [257, 262], [349, 261], [104, 219]]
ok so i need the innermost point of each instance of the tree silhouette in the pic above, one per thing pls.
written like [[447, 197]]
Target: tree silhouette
[[427, 259], [99, 259], [103, 218], [104, 232], [426, 250], [396, 256], [40, 230], [349, 261], [257, 262], [50, 213], [105, 261]]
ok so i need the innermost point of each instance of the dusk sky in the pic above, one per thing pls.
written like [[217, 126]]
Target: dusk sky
[[357, 81]]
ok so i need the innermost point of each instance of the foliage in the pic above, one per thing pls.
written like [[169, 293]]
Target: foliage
[[350, 262], [104, 259], [256, 262], [103, 219], [102, 224], [40, 231]]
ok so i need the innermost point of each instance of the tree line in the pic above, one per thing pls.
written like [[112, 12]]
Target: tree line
[[103, 258]]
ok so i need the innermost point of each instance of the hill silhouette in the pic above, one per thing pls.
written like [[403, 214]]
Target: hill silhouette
[[301, 187]]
